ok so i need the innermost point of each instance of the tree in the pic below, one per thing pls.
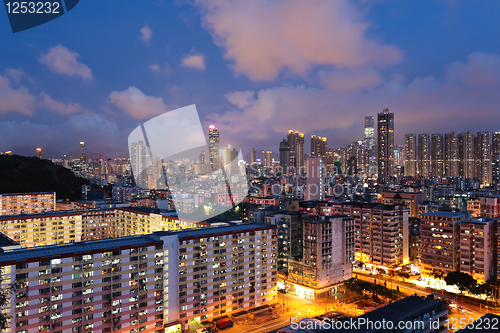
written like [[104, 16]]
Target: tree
[[4, 300], [463, 281], [403, 275]]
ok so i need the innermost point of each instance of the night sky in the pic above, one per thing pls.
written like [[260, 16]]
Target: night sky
[[254, 69]]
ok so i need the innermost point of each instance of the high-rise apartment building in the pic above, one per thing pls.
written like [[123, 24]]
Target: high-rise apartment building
[[27, 203], [138, 162], [141, 283], [381, 232], [467, 154], [437, 155], [318, 146], [296, 144], [411, 155], [477, 248], [424, 155], [284, 157], [385, 142], [328, 256], [253, 156], [440, 242], [483, 164], [315, 179], [288, 235], [495, 159], [266, 158], [213, 148], [451, 155]]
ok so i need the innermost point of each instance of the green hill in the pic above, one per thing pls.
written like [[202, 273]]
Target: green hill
[[19, 174]]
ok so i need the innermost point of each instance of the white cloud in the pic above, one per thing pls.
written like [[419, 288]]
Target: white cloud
[[264, 38], [135, 103], [58, 106], [345, 80], [16, 74], [63, 61], [196, 60], [154, 67], [465, 98], [18, 100], [146, 33], [240, 98]]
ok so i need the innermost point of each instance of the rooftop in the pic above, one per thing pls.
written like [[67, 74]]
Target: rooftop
[[26, 193], [443, 214]]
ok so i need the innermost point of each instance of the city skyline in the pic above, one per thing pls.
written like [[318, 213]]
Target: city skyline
[[56, 92]]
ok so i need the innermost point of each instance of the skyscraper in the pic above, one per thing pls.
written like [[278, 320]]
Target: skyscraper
[[451, 154], [39, 153], [467, 153], [385, 121], [437, 155], [369, 145], [266, 158], [424, 155], [253, 156], [483, 149], [138, 163], [202, 163], [315, 181], [318, 146], [213, 148], [284, 156], [411, 155], [83, 156], [495, 158], [296, 144]]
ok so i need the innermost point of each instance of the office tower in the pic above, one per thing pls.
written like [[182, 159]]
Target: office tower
[[27, 203], [382, 232], [440, 242], [369, 146], [39, 153], [284, 156], [213, 149], [83, 156], [424, 155], [138, 163], [483, 151], [385, 140], [296, 144], [467, 153], [437, 155], [411, 155], [253, 156], [266, 158], [451, 154], [315, 179]]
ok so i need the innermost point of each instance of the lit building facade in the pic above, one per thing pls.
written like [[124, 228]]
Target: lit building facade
[[477, 248], [385, 145], [411, 155], [27, 203], [150, 283], [440, 242], [328, 255]]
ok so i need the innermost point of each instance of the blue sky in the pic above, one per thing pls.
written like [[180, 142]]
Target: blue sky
[[253, 68]]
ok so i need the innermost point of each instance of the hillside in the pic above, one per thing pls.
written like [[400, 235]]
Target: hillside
[[20, 174]]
